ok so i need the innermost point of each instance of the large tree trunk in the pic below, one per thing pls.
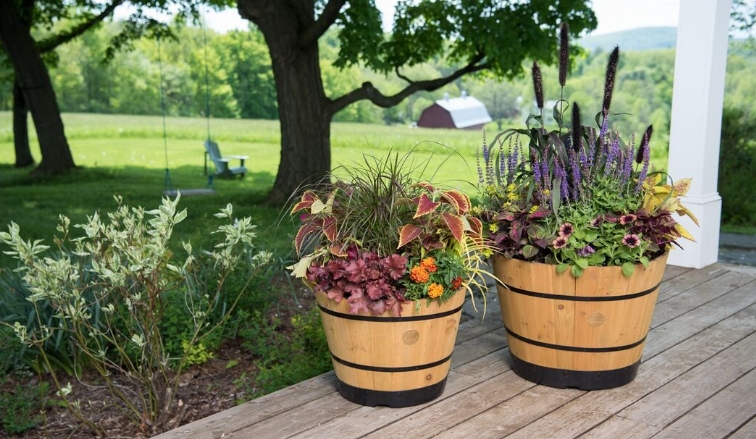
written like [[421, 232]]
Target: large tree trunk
[[21, 129], [36, 86], [304, 110]]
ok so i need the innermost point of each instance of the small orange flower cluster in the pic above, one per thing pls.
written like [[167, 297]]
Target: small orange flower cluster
[[456, 283], [421, 273], [429, 264], [435, 290]]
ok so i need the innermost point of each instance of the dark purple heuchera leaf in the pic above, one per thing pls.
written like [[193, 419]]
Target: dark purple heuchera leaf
[[368, 282], [396, 266]]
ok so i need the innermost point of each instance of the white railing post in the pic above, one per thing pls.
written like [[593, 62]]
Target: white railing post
[[700, 64]]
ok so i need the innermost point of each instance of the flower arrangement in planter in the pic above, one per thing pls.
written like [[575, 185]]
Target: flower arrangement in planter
[[578, 196], [390, 259], [581, 226]]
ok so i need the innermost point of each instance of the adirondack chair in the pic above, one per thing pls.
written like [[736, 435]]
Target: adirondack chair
[[222, 168]]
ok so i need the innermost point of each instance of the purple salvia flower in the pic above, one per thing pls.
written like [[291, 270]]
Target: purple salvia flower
[[604, 127], [545, 170], [485, 149], [613, 158], [538, 180], [480, 169], [627, 162], [577, 188], [644, 171], [583, 159], [512, 165], [502, 161], [561, 174]]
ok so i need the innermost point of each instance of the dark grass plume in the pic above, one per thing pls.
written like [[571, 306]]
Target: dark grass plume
[[611, 74], [576, 128], [564, 53], [538, 85], [645, 141]]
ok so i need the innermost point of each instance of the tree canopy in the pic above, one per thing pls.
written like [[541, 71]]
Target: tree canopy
[[490, 36]]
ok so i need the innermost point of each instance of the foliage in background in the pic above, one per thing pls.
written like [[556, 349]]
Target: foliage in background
[[109, 289], [737, 167], [285, 358]]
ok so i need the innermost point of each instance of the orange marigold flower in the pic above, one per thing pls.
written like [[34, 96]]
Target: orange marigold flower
[[457, 282], [435, 290], [429, 264], [419, 274]]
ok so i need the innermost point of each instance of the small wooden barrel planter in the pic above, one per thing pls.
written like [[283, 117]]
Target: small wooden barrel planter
[[387, 360], [586, 332]]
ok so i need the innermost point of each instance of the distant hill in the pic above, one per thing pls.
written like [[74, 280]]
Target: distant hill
[[642, 38]]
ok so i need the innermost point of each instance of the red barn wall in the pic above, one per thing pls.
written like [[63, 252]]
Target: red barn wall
[[435, 117]]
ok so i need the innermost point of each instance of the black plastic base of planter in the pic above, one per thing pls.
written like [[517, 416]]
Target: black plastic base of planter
[[405, 398], [562, 378]]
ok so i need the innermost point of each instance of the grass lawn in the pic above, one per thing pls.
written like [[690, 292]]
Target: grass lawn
[[126, 156]]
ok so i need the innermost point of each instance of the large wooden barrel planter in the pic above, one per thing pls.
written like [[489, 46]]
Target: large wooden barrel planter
[[586, 332], [387, 360]]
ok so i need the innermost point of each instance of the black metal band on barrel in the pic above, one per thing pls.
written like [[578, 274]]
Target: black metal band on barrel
[[394, 399], [577, 379], [365, 318], [391, 369], [583, 298], [574, 348]]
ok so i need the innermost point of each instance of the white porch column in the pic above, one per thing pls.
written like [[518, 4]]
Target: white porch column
[[700, 62]]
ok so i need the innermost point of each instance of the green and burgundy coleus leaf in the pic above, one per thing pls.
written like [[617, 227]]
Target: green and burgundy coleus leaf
[[425, 205], [408, 233], [304, 231], [305, 202], [455, 224], [460, 201]]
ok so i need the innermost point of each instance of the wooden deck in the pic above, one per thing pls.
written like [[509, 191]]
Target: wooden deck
[[697, 380]]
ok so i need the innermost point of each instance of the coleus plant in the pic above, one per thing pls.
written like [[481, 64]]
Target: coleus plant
[[379, 239]]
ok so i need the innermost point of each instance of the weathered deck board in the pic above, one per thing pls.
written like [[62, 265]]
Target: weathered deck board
[[697, 380], [709, 420]]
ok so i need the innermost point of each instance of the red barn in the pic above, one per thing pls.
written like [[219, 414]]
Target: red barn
[[464, 112]]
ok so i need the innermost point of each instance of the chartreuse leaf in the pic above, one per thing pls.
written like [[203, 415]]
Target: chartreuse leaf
[[577, 271], [561, 268], [529, 251], [628, 268]]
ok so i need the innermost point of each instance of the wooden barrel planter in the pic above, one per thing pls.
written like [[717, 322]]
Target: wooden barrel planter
[[586, 332], [387, 360]]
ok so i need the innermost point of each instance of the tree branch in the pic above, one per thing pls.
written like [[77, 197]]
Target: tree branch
[[55, 41], [320, 26], [368, 91]]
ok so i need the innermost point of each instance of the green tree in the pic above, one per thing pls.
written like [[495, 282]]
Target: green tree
[[249, 73], [33, 91], [484, 35]]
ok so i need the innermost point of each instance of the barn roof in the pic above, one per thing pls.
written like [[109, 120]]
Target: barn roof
[[465, 111]]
